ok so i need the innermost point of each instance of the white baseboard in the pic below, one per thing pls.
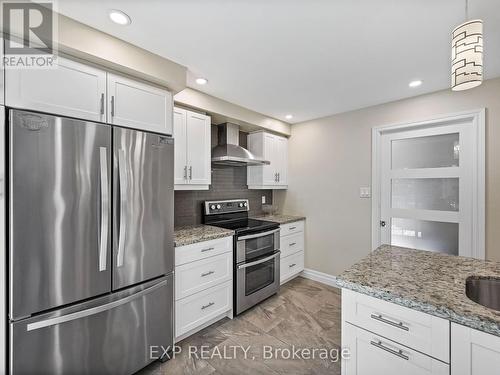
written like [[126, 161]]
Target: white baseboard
[[320, 277]]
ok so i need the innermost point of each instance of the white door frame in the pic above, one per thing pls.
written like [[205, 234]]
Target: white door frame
[[477, 120]]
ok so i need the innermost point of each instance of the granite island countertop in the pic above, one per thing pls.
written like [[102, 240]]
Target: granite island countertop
[[429, 282], [188, 235], [279, 218]]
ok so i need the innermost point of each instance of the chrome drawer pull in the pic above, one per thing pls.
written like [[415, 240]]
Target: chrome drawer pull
[[207, 306], [399, 325], [207, 273], [398, 353], [293, 244], [292, 265], [292, 228], [207, 249]]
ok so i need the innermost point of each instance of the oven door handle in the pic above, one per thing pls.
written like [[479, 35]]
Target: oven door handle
[[241, 266], [257, 235]]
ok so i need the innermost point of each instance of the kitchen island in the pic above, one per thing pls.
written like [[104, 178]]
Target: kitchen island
[[405, 307]]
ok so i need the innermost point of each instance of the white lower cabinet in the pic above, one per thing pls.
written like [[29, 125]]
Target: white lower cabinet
[[203, 285], [292, 250], [372, 354], [474, 352]]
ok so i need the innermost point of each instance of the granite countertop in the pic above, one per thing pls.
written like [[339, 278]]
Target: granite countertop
[[429, 282], [280, 219], [198, 233]]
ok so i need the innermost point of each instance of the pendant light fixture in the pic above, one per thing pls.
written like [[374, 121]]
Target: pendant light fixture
[[467, 54]]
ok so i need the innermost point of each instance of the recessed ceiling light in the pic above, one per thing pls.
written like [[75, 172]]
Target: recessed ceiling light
[[415, 83], [117, 16], [289, 117], [201, 81]]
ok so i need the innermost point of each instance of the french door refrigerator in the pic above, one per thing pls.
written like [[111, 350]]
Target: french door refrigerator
[[90, 246]]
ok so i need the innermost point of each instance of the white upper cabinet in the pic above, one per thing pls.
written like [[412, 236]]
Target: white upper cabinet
[[273, 148], [192, 150], [138, 105], [70, 89]]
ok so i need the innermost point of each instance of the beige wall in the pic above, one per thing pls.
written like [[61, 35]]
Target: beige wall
[[330, 159], [223, 111]]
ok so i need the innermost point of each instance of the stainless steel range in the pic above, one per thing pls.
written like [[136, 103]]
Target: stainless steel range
[[256, 251]]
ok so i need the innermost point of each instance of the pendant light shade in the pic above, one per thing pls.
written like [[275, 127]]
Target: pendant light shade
[[467, 55]]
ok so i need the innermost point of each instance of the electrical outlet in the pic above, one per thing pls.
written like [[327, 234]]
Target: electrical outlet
[[365, 192], [263, 199]]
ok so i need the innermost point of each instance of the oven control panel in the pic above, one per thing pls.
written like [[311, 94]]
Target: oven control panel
[[224, 207]]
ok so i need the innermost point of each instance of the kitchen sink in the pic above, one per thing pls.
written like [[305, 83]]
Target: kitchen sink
[[484, 290]]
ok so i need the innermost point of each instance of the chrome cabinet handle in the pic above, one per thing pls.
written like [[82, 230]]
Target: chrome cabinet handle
[[292, 228], [245, 265], [207, 249], [207, 305], [102, 103], [292, 265], [207, 273], [92, 311], [380, 318], [112, 105], [191, 172], [103, 245], [398, 353], [122, 175], [279, 177], [257, 235], [185, 172], [292, 244]]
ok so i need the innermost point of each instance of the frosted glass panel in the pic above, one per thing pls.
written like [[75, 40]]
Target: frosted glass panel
[[425, 235], [425, 193], [434, 151]]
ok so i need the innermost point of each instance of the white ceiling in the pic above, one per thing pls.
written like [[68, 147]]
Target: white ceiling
[[310, 58]]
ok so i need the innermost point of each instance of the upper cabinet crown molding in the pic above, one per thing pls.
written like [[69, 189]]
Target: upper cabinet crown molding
[[273, 148], [192, 169]]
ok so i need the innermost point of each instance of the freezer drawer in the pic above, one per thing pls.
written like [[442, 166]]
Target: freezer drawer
[[60, 211], [143, 243], [109, 335]]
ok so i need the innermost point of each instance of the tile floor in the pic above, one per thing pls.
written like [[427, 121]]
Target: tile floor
[[304, 314]]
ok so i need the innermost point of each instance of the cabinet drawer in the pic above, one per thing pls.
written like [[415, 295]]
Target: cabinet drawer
[[199, 308], [375, 355], [417, 330], [292, 244], [202, 250], [291, 228], [200, 275], [291, 265]]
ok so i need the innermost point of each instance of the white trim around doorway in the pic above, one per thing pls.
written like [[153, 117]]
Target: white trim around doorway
[[477, 119]]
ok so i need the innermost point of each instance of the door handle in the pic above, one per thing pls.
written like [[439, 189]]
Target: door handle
[[257, 235], [185, 172], [103, 240], [207, 273], [398, 353], [102, 103], [112, 105], [191, 172], [383, 223], [122, 176], [245, 265], [279, 177], [380, 318], [93, 310]]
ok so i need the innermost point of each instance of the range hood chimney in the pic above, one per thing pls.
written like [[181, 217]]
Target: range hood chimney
[[229, 151]]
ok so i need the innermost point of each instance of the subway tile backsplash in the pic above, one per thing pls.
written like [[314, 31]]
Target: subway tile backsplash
[[227, 183]]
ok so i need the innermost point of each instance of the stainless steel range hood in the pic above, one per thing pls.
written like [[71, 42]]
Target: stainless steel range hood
[[229, 151]]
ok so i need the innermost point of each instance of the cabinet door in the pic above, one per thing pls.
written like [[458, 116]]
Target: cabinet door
[[180, 158], [282, 160], [374, 355], [70, 89], [198, 148], [269, 173], [138, 105], [474, 352]]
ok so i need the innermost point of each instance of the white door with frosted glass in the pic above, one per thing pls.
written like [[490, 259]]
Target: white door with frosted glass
[[426, 188]]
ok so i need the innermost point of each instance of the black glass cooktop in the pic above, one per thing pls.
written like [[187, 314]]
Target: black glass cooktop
[[241, 226]]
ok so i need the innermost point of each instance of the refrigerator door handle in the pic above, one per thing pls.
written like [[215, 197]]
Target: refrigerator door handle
[[122, 175], [104, 208], [92, 311]]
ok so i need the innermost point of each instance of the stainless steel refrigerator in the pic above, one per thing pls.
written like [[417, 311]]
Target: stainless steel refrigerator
[[90, 245]]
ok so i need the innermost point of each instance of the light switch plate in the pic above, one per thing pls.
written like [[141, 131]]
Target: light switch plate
[[365, 192]]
